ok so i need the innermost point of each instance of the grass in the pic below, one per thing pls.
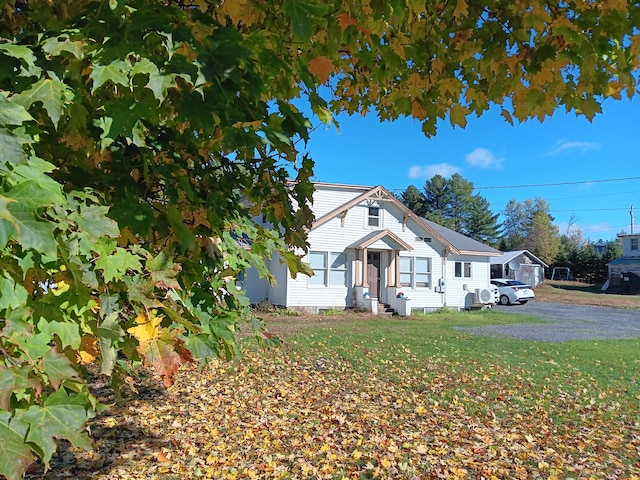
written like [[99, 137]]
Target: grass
[[371, 344], [557, 291]]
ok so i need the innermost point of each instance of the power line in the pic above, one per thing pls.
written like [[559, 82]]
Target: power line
[[573, 197], [558, 184], [589, 210]]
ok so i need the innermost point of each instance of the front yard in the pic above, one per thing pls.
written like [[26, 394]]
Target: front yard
[[360, 398]]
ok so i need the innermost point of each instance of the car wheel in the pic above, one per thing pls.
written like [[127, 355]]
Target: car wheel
[[522, 302], [504, 300]]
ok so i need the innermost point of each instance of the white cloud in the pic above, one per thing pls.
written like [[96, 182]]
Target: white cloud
[[483, 158], [428, 171], [564, 145]]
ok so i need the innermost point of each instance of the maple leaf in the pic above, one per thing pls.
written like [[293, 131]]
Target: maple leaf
[[62, 416], [322, 67], [51, 92], [160, 347], [15, 454]]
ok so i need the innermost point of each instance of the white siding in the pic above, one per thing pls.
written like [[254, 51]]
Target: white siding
[[461, 290], [278, 293], [256, 287], [626, 246], [327, 198]]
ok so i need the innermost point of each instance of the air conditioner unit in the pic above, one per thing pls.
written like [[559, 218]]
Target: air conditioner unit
[[483, 295]]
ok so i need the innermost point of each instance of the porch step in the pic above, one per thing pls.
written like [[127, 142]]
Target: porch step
[[385, 309]]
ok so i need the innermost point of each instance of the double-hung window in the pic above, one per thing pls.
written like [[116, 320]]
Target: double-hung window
[[462, 269], [634, 244], [329, 269], [415, 272], [374, 217], [318, 262]]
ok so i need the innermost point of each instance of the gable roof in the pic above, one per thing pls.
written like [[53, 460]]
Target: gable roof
[[506, 257], [454, 241], [387, 235]]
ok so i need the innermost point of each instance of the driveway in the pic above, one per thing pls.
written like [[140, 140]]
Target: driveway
[[565, 322]]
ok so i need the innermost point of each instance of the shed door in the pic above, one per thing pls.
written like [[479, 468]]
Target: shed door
[[373, 273]]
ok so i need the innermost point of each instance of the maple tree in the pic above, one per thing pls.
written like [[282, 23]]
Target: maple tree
[[140, 139]]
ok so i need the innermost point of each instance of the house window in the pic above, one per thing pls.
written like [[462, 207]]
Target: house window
[[374, 217], [406, 271], [423, 272], [318, 262], [338, 276], [462, 269], [329, 269], [415, 272], [634, 244]]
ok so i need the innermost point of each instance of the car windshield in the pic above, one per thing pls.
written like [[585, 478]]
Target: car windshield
[[515, 283]]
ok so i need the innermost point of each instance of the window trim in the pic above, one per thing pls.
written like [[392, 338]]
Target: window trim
[[329, 258], [377, 217], [413, 272], [463, 267]]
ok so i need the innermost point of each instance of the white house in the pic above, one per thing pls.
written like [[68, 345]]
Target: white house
[[367, 247], [624, 272], [521, 265]]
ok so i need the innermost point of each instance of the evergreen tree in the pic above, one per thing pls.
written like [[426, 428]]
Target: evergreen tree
[[437, 200], [413, 199], [482, 224], [451, 203]]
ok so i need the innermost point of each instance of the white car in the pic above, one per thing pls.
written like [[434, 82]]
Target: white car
[[513, 291]]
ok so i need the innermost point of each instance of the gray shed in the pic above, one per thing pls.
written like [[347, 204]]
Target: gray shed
[[521, 265]]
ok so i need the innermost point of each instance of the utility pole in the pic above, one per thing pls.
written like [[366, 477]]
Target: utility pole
[[632, 215]]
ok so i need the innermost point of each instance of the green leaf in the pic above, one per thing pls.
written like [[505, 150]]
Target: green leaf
[[24, 53], [57, 367], [202, 346], [61, 43], [52, 93], [62, 416], [12, 294], [16, 379], [67, 332], [15, 454], [12, 113], [11, 150], [302, 13], [109, 333], [183, 234], [93, 221], [115, 266], [33, 233], [116, 72]]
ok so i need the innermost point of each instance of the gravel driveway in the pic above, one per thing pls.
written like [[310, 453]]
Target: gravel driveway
[[565, 322]]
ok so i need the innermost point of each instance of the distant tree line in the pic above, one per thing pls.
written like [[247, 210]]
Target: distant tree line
[[527, 225]]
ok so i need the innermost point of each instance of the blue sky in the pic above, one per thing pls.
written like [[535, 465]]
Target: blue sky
[[585, 161]]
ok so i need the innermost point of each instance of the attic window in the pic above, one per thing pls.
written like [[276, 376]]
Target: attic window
[[374, 217]]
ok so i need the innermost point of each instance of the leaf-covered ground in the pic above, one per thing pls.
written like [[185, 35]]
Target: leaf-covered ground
[[384, 412]]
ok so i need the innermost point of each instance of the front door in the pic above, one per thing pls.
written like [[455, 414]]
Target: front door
[[373, 273]]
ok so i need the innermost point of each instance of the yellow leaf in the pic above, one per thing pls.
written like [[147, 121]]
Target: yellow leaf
[[385, 463], [89, 349], [462, 9], [147, 328], [60, 288]]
